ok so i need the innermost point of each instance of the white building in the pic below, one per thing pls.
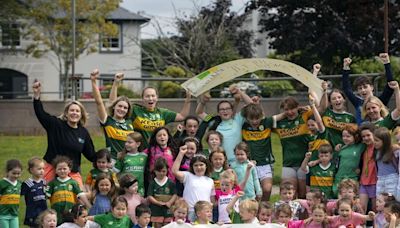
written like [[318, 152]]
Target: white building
[[260, 41], [121, 54]]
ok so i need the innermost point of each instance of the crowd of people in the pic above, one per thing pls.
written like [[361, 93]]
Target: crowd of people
[[339, 169]]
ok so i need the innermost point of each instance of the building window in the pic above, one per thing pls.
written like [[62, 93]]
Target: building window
[[10, 35], [112, 43], [78, 88]]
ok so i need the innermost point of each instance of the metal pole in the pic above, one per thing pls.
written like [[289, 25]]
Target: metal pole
[[386, 24], [73, 52]]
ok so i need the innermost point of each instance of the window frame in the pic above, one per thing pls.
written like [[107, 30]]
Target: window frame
[[106, 50], [11, 39]]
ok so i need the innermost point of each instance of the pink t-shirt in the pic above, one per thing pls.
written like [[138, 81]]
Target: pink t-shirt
[[156, 152], [295, 224], [133, 202], [313, 225], [355, 219], [223, 199]]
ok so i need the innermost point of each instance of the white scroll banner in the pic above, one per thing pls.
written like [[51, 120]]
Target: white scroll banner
[[187, 225], [227, 71]]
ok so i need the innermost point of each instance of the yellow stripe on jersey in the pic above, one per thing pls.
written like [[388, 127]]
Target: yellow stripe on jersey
[[300, 129], [316, 144], [146, 124], [63, 196], [331, 123], [255, 135], [9, 199], [118, 134], [321, 181]]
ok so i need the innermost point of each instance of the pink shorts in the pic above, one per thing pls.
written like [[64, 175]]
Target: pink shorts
[[369, 190]]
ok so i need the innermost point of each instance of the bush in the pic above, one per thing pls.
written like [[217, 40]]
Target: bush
[[276, 88], [169, 89]]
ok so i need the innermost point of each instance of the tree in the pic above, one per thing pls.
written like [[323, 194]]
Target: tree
[[325, 31], [205, 40], [49, 26]]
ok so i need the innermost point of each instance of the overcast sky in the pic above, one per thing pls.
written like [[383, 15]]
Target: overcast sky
[[163, 12]]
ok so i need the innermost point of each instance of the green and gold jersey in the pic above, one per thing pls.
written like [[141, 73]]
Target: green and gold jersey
[[335, 123], [315, 143], [294, 135], [259, 141], [145, 121], [322, 178], [9, 197], [115, 133], [135, 165], [215, 177], [63, 195]]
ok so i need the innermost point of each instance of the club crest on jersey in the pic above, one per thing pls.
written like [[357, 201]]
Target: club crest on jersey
[[261, 128]]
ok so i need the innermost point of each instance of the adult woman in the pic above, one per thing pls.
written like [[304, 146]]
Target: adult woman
[[231, 123], [365, 87], [148, 116], [66, 135], [375, 111], [294, 135], [116, 125]]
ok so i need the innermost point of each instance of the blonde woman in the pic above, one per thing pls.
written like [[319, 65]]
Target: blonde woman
[[375, 111], [66, 135]]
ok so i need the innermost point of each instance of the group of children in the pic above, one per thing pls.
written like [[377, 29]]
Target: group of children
[[175, 180]]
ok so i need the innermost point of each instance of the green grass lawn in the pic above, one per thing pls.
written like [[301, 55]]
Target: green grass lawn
[[25, 147]]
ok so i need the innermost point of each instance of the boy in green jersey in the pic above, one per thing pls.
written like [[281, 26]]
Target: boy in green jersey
[[256, 132], [321, 175]]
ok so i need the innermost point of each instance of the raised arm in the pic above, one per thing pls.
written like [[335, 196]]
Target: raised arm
[[304, 164], [44, 118], [395, 86], [346, 86], [387, 91], [237, 93], [317, 116], [316, 70], [180, 175], [231, 204], [185, 109], [242, 184], [114, 89], [200, 112], [324, 103], [101, 109]]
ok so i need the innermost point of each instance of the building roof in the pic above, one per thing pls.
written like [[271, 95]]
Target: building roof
[[123, 14]]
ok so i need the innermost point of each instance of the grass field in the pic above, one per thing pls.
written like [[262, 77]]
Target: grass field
[[25, 147]]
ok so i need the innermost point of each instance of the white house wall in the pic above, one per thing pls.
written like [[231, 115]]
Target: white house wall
[[45, 69], [128, 62]]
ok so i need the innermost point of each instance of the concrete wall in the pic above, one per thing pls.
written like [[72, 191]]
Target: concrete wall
[[17, 116]]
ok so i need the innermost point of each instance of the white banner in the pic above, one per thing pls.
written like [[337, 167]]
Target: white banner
[[233, 69], [187, 225]]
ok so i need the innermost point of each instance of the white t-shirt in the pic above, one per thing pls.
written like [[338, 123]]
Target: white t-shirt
[[197, 188]]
